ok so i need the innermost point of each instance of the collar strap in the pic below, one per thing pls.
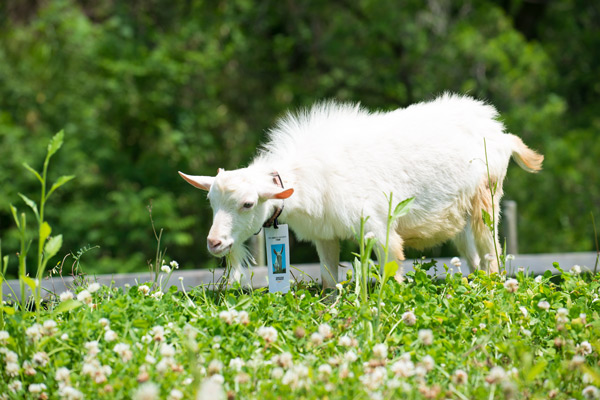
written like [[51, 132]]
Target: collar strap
[[272, 221]]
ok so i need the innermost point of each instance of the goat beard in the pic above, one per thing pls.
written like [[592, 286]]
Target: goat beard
[[239, 259]]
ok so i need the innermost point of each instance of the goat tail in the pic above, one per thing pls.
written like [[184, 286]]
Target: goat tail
[[529, 160]]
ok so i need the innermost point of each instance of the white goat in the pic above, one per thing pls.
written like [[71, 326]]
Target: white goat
[[338, 161]]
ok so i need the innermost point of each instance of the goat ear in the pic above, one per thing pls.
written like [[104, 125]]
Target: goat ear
[[276, 194], [201, 182]]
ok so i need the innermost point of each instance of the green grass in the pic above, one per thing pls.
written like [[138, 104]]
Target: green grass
[[508, 346]]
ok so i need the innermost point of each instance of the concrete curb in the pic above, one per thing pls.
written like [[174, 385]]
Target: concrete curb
[[536, 264]]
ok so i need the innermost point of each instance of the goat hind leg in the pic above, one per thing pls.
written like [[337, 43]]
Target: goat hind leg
[[329, 255]]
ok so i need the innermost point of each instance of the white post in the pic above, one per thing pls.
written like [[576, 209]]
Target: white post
[[257, 248], [509, 214]]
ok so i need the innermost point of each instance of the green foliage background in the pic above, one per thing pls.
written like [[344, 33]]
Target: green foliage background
[[146, 88]]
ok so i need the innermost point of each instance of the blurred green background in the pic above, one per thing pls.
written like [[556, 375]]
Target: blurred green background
[[146, 88]]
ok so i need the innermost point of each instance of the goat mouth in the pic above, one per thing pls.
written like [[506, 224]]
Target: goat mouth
[[220, 251]]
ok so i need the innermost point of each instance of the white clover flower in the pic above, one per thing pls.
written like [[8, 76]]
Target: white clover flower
[[324, 371], [28, 369], [426, 336], [316, 338], [277, 373], [214, 367], [577, 361], [350, 356], [4, 337], [67, 295], [403, 368], [149, 359], [110, 335], [285, 360], [226, 317], [84, 296], [268, 333], [157, 295], [576, 270], [236, 364], [456, 262], [591, 392], [93, 287], [243, 318], [544, 305], [345, 341], [509, 257], [211, 389], [11, 356], [146, 391], [166, 350], [409, 318], [158, 333], [145, 289], [562, 312], [15, 386], [174, 264], [496, 375], [166, 269], [380, 351], [344, 371], [584, 348], [524, 311], [562, 316], [162, 366], [12, 368], [241, 378], [146, 339], [369, 236], [92, 347], [295, 377], [62, 374], [460, 377], [175, 394], [34, 332], [36, 388], [511, 285], [374, 379], [64, 337], [69, 393], [427, 362], [123, 351], [539, 278], [104, 322], [40, 359], [325, 331]]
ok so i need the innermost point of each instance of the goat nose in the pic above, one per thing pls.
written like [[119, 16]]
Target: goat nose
[[213, 243]]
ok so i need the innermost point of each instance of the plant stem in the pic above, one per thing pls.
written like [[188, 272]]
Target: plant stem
[[493, 193], [22, 258], [596, 240]]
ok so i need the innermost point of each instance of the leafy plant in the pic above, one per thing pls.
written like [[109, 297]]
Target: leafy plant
[[48, 246]]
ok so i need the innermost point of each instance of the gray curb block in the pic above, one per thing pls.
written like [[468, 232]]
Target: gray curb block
[[535, 264]]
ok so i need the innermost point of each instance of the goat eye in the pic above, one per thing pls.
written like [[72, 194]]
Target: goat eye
[[248, 205]]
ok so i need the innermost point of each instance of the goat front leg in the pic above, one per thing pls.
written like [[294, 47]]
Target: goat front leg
[[329, 255]]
